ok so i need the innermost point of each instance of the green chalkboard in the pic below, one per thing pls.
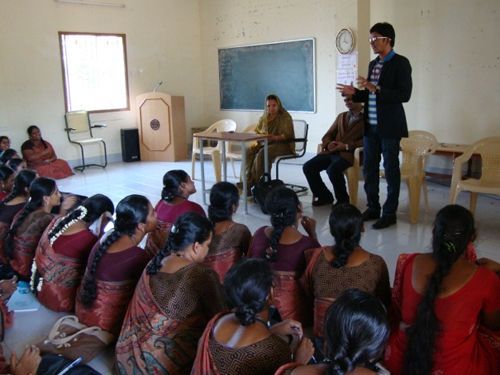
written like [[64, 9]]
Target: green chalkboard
[[248, 74]]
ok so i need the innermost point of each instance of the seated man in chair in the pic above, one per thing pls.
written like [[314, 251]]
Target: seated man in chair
[[336, 155]]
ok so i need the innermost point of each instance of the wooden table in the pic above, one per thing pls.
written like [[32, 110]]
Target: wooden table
[[243, 138], [455, 150]]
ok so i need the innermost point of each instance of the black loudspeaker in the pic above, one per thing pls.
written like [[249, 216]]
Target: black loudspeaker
[[130, 144]]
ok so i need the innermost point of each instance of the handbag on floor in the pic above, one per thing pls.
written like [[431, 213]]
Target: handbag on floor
[[52, 364], [73, 339], [262, 188]]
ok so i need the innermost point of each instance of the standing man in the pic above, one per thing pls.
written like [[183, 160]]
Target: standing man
[[337, 148], [388, 86]]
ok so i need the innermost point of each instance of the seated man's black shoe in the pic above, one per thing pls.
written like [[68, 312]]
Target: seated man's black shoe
[[384, 222], [370, 215], [321, 201]]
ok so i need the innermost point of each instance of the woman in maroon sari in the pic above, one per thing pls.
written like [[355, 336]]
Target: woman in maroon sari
[[29, 224], [175, 298], [63, 250], [115, 265], [11, 205], [230, 241], [40, 156], [177, 187], [284, 247]]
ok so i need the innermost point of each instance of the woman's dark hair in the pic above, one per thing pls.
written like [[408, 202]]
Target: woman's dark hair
[[356, 331], [247, 286], [189, 228], [14, 163], [283, 205], [385, 29], [172, 181], [130, 211], [30, 129], [223, 196], [453, 230], [89, 211], [39, 188], [346, 224], [2, 137], [5, 173], [7, 155], [22, 184]]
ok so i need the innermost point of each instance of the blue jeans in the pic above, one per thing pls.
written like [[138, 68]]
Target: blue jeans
[[375, 146]]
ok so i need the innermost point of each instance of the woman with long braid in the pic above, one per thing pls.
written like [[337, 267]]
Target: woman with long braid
[[115, 265], [175, 298], [333, 269], [284, 246], [444, 299], [29, 224], [61, 255], [177, 187], [11, 205]]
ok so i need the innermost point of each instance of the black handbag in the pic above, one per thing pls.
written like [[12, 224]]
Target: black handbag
[[262, 189], [53, 364]]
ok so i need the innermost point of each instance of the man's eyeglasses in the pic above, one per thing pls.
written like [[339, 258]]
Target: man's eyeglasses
[[375, 38]]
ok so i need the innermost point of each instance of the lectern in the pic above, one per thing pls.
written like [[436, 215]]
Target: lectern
[[162, 127]]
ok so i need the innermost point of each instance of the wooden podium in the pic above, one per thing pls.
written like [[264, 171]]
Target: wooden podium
[[162, 127]]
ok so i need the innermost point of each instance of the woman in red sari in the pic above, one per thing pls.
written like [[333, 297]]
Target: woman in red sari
[[284, 246], [11, 205], [63, 250], [444, 299], [29, 224], [115, 265], [177, 187], [242, 342], [175, 298], [230, 241], [40, 156], [333, 269]]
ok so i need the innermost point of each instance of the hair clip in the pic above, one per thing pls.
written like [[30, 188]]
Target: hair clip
[[450, 246], [174, 229], [83, 212]]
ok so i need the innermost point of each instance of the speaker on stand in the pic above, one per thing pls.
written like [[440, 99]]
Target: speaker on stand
[[130, 144]]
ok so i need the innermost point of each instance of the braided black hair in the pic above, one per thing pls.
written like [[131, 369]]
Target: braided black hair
[[283, 205], [5, 173], [14, 163], [223, 196], [346, 224], [7, 155], [356, 331], [189, 228], [40, 187], [453, 230], [22, 183], [172, 181], [247, 286], [130, 211]]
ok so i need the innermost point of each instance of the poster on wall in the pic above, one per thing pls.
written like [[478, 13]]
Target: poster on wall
[[347, 68]]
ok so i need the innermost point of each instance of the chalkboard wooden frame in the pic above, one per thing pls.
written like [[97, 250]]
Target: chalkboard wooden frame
[[247, 74]]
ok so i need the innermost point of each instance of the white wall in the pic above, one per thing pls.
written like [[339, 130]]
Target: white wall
[[163, 43]]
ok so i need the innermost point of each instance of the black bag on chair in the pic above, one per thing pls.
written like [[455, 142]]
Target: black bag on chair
[[262, 188]]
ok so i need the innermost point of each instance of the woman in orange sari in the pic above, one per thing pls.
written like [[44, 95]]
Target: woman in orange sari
[[115, 265], [231, 240], [40, 156], [284, 246], [175, 298], [63, 250]]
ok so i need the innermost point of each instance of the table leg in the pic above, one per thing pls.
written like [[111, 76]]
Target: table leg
[[202, 159], [266, 156], [224, 164], [244, 175]]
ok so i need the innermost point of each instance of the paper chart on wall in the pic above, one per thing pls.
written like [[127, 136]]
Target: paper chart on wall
[[347, 68]]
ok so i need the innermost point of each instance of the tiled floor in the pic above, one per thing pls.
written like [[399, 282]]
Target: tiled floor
[[121, 179]]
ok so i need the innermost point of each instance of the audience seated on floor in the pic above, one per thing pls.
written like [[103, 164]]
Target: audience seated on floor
[[16, 164], [4, 143], [333, 269], [284, 246], [241, 342], [115, 265], [230, 239], [63, 250], [175, 298], [448, 306], [7, 155], [7, 176], [177, 187]]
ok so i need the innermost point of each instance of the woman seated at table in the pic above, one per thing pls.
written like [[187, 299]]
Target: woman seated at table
[[115, 265], [174, 300], [40, 156], [63, 250], [11, 205], [29, 224], [284, 246], [277, 123], [444, 301], [241, 342], [177, 187], [333, 269], [231, 240]]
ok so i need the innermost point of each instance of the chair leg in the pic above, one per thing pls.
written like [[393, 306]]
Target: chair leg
[[352, 184], [234, 169], [414, 198], [217, 165], [426, 195], [193, 159], [473, 202], [105, 155]]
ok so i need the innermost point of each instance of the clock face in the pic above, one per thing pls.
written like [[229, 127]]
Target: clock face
[[345, 41]]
